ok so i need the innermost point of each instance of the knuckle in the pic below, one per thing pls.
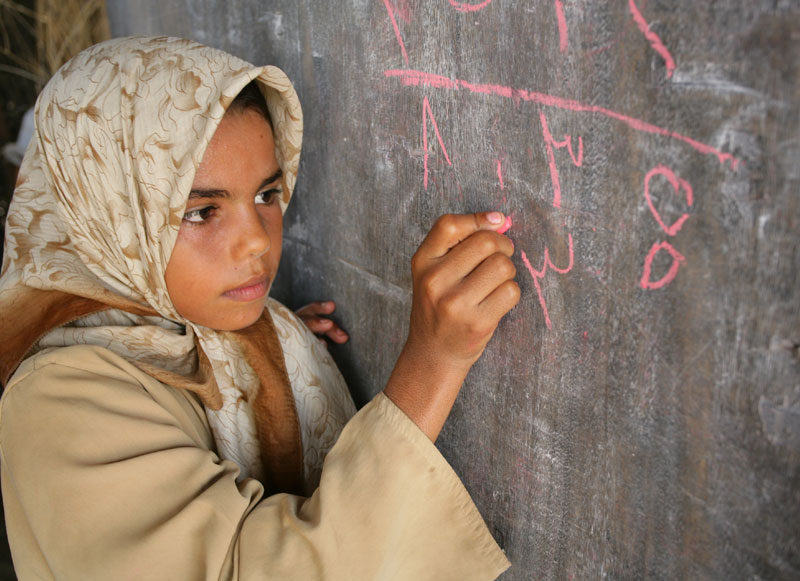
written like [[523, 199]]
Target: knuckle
[[415, 262], [502, 265], [447, 224], [508, 268], [486, 241], [512, 292], [450, 306], [428, 284]]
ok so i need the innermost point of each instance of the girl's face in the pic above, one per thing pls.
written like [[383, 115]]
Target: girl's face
[[229, 243]]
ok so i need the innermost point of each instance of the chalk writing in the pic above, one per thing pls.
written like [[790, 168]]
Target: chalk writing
[[563, 36], [539, 274], [426, 112], [465, 7], [677, 259], [549, 142], [500, 174], [676, 183], [415, 78], [390, 9], [680, 187], [652, 37]]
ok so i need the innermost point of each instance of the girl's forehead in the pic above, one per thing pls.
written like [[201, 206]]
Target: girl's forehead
[[241, 150]]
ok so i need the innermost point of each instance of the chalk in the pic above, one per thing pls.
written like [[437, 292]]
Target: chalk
[[506, 225]]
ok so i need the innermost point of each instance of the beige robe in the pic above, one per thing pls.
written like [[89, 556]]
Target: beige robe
[[110, 474]]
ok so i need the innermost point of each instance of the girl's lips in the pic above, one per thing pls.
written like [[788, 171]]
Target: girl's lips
[[253, 289]]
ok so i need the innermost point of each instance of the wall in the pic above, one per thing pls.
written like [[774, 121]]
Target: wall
[[638, 414]]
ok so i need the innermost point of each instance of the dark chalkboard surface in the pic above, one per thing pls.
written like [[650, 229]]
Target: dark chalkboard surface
[[638, 414]]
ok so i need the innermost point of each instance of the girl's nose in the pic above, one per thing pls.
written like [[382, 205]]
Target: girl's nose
[[253, 237]]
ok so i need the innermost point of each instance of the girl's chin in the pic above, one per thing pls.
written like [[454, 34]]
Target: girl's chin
[[233, 318]]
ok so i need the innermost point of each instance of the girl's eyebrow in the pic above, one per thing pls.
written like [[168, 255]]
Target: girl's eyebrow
[[198, 193], [273, 178]]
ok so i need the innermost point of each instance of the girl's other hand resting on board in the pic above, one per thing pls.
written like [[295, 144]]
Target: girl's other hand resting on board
[[315, 316], [463, 281]]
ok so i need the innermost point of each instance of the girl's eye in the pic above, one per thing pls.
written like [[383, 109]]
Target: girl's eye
[[268, 196], [199, 215]]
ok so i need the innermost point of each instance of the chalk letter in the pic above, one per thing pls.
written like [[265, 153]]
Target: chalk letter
[[464, 7], [652, 37], [539, 274], [677, 258], [676, 183], [549, 142], [563, 36], [390, 10], [426, 112]]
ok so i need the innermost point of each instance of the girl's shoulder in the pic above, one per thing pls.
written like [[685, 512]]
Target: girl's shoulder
[[85, 361], [95, 383], [76, 362]]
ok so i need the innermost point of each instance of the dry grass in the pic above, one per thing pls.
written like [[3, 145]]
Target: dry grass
[[66, 27], [37, 38]]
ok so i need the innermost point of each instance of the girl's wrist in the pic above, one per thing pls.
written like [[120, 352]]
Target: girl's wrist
[[424, 386]]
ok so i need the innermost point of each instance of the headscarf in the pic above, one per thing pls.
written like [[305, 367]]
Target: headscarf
[[120, 130]]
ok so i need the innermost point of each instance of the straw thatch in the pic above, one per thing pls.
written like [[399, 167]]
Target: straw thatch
[[36, 38]]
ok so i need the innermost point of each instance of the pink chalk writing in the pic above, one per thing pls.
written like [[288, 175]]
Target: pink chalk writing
[[416, 78], [500, 174], [652, 37], [426, 112], [539, 274], [677, 259], [390, 9], [549, 142], [466, 7], [578, 161], [563, 36], [676, 183]]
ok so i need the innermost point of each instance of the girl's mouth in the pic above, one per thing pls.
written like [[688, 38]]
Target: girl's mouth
[[251, 290]]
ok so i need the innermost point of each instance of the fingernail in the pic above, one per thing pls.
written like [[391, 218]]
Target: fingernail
[[494, 217]]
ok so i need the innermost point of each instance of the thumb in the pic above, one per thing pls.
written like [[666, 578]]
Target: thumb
[[451, 229]]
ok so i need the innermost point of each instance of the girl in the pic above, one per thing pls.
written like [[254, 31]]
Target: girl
[[163, 419]]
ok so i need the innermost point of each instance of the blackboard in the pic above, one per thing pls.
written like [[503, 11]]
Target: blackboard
[[638, 414]]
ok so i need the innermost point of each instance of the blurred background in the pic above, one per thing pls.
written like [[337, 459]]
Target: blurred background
[[36, 38]]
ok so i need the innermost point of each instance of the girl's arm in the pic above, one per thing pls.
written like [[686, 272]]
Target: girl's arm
[[463, 285]]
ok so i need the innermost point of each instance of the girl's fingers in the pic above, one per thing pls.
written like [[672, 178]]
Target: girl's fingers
[[490, 274], [451, 229], [337, 335], [318, 325], [469, 254], [316, 308], [326, 328], [501, 300]]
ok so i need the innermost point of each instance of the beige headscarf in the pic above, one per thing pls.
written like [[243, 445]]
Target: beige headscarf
[[120, 131]]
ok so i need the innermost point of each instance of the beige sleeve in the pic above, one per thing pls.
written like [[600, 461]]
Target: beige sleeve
[[104, 478]]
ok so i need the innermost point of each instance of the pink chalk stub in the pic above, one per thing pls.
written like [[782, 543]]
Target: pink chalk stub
[[506, 225]]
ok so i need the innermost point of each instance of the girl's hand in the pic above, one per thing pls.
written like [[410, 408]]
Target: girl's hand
[[311, 315], [463, 285]]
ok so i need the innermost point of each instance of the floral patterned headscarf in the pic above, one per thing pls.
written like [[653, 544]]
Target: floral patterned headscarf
[[120, 131]]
